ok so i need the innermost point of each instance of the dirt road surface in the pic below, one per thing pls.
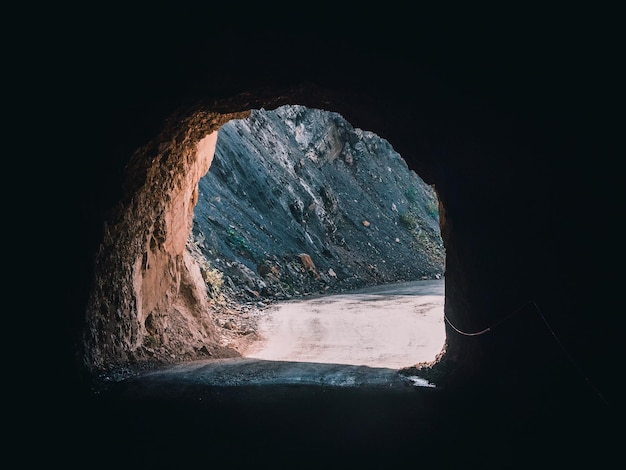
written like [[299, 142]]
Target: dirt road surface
[[391, 326]]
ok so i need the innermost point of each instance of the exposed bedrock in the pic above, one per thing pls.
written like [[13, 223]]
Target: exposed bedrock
[[298, 201], [149, 301]]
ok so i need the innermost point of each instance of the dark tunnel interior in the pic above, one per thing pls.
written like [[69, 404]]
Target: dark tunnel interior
[[509, 118]]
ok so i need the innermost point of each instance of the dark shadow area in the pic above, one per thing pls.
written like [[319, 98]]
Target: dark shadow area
[[181, 418]]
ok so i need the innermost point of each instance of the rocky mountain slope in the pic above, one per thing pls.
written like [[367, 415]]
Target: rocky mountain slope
[[297, 201]]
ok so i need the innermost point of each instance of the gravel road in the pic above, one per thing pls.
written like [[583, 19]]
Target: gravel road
[[390, 326]]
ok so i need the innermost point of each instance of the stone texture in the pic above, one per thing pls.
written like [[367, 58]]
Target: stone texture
[[303, 182], [149, 300]]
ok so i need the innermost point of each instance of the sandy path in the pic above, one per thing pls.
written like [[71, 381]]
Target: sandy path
[[391, 326]]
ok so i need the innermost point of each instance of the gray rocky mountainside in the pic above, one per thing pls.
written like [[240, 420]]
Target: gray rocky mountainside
[[297, 201]]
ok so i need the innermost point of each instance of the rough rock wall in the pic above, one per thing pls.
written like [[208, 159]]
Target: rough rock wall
[[149, 300], [298, 201]]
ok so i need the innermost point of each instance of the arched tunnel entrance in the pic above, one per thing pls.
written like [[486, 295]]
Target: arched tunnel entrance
[[509, 114], [150, 292], [149, 301], [337, 201], [384, 228]]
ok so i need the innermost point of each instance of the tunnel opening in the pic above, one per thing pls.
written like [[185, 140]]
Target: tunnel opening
[[150, 303], [161, 275], [298, 203]]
